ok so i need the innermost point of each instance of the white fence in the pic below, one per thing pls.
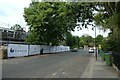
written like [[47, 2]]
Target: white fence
[[33, 49], [15, 50]]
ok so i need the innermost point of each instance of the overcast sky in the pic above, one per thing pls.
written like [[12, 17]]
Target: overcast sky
[[90, 32], [11, 12]]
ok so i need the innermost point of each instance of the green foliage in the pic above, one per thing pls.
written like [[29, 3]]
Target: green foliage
[[108, 17], [68, 40], [72, 41], [52, 20], [16, 27], [32, 38], [113, 40], [111, 43], [49, 21], [82, 41], [104, 45], [112, 22], [99, 40], [86, 40], [76, 40]]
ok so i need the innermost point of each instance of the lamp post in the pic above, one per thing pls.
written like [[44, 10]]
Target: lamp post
[[95, 41], [95, 44]]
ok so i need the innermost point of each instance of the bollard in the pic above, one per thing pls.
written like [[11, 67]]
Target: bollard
[[1, 53]]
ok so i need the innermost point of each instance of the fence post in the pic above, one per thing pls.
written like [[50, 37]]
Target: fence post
[[28, 49]]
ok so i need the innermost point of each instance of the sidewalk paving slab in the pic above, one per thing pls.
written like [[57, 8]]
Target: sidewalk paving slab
[[99, 69]]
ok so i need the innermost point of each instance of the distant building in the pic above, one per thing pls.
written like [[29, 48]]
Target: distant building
[[8, 35]]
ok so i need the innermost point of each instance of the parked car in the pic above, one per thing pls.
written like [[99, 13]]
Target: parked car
[[74, 50], [81, 47], [91, 50]]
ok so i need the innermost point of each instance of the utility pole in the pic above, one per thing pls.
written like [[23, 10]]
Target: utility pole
[[95, 44]]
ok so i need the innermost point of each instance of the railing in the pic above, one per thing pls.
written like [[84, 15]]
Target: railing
[[7, 35], [116, 59]]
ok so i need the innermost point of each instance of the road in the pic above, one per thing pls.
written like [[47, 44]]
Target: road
[[60, 65]]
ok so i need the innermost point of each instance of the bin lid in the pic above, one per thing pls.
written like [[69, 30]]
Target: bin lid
[[108, 53]]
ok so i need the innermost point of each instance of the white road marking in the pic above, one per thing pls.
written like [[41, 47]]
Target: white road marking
[[63, 73], [61, 69], [54, 74]]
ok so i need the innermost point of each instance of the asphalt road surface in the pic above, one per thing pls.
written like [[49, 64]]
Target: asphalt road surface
[[60, 65]]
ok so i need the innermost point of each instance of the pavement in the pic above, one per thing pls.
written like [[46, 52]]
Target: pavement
[[99, 69]]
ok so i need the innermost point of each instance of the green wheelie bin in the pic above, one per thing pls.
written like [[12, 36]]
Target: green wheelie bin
[[108, 59], [103, 55]]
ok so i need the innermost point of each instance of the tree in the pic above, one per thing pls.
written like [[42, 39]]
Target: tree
[[78, 41], [75, 42], [32, 38], [68, 40], [82, 41], [51, 20], [72, 41], [86, 40], [99, 40], [16, 27], [89, 40], [108, 17]]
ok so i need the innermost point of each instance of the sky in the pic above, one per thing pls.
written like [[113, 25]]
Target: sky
[[90, 32], [11, 12]]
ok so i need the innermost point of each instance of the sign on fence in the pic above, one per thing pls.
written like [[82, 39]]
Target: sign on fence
[[52, 49], [34, 49], [46, 49], [15, 50]]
